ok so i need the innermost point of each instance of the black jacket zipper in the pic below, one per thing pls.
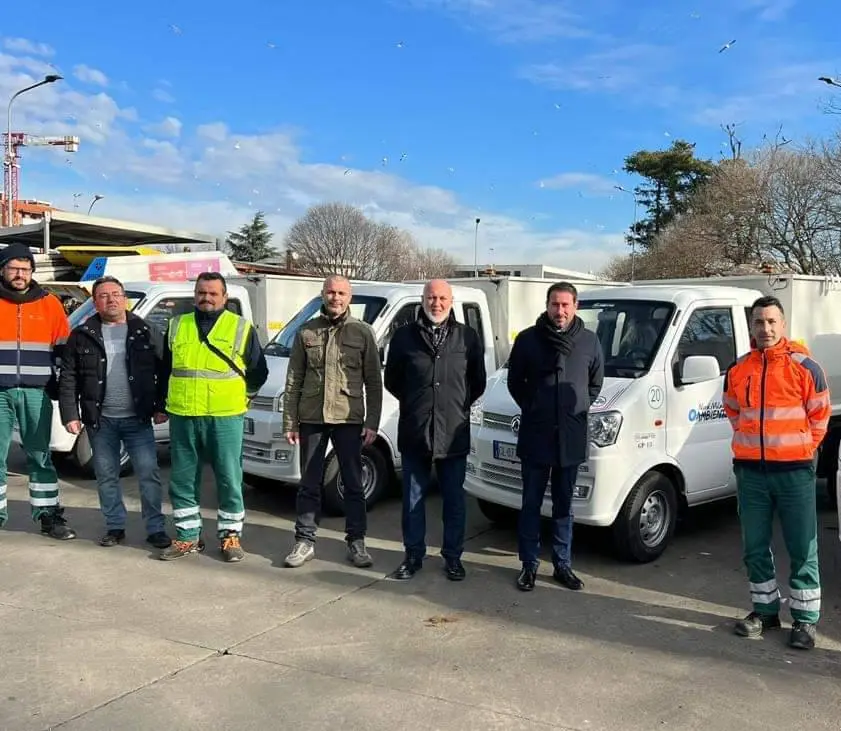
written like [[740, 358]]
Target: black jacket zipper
[[762, 409]]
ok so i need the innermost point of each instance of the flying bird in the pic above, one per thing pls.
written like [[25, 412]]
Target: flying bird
[[175, 29], [726, 46]]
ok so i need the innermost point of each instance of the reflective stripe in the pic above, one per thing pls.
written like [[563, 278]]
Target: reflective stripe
[[14, 345], [240, 335], [3, 503], [818, 402], [812, 605], [225, 526], [26, 370], [776, 413], [188, 524], [173, 329], [2, 491], [43, 502], [734, 422], [212, 375], [43, 486], [797, 439], [184, 512], [765, 592], [222, 515], [764, 586]]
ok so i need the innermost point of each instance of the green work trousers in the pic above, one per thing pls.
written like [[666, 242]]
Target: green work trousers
[[791, 494], [194, 440], [33, 411]]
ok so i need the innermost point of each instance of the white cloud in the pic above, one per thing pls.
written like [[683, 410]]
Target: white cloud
[[89, 75], [167, 127], [512, 21], [619, 69], [162, 95], [589, 182], [212, 178], [22, 45]]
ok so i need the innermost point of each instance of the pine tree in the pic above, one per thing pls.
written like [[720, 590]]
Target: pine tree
[[253, 240]]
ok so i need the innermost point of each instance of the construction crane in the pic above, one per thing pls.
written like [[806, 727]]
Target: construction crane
[[11, 166]]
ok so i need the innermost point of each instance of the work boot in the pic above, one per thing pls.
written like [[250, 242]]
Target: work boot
[[755, 624], [179, 549], [302, 552], [54, 525], [358, 555], [802, 636], [231, 549], [113, 537]]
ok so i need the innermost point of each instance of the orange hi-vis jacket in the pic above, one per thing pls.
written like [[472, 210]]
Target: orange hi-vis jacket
[[777, 400], [31, 325]]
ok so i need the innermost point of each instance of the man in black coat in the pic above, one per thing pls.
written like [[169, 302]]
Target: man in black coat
[[111, 371], [555, 373], [436, 370]]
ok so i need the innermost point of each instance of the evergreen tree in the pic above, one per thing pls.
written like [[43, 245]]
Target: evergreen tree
[[253, 240]]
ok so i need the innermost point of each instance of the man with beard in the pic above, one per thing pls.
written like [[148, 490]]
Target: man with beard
[[32, 326], [334, 392], [555, 373], [436, 370]]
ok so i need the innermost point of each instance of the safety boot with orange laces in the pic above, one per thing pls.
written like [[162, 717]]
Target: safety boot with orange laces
[[179, 549], [231, 549]]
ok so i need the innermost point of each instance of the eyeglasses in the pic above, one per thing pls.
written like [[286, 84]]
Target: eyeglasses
[[18, 270]]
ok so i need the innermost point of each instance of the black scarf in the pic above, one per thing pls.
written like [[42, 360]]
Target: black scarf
[[35, 292], [561, 341], [437, 334]]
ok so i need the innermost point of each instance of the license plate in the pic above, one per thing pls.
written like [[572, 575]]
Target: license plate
[[506, 451], [248, 426]]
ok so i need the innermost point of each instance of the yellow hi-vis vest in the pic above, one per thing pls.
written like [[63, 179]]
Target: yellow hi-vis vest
[[201, 383]]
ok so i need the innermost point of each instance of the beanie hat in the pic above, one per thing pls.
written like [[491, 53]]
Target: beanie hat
[[16, 251]]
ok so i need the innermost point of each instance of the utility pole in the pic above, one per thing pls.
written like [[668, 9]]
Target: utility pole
[[476, 250]]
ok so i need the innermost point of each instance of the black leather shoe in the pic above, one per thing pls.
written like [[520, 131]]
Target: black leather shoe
[[454, 569], [802, 636], [526, 579], [564, 576], [407, 569]]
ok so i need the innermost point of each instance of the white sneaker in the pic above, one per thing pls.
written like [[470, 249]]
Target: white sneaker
[[300, 554]]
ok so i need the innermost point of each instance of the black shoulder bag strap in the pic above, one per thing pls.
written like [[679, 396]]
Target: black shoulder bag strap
[[233, 366]]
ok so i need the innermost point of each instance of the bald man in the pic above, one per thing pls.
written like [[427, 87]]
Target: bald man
[[436, 370], [334, 391]]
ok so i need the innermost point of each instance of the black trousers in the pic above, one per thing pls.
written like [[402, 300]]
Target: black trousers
[[347, 444]]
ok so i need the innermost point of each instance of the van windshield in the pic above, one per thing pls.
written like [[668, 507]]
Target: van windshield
[[630, 332], [362, 307]]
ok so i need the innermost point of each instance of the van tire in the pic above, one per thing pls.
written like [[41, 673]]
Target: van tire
[[375, 478], [500, 515], [653, 496], [82, 456]]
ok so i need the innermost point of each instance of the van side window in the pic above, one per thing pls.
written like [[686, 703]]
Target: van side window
[[159, 316], [406, 314], [234, 306], [473, 318], [709, 331]]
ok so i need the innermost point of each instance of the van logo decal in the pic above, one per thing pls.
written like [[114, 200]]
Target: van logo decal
[[709, 411], [515, 424]]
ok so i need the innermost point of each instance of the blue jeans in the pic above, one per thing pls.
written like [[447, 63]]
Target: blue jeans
[[139, 439], [417, 472], [535, 478]]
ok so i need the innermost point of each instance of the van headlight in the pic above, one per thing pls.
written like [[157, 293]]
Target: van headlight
[[476, 413], [604, 428]]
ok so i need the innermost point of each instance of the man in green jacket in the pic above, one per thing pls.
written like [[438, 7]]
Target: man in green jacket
[[334, 391], [213, 364]]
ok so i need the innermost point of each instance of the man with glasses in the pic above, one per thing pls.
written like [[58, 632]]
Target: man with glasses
[[32, 326], [110, 368]]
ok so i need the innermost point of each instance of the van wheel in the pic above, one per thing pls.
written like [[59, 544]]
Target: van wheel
[[82, 456], [499, 514], [647, 521], [375, 480]]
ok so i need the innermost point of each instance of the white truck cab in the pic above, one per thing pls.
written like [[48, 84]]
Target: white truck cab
[[267, 454], [659, 437]]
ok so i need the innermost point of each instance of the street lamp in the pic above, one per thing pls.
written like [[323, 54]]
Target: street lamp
[[476, 250], [9, 161], [633, 231], [95, 200]]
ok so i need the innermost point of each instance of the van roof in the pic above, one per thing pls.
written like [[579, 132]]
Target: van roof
[[681, 295]]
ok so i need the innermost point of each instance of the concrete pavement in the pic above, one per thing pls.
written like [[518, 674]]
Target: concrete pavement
[[98, 639]]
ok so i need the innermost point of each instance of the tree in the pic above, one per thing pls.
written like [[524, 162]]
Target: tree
[[253, 240], [672, 176], [336, 238]]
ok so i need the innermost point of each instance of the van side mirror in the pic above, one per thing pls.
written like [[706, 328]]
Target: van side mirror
[[700, 369]]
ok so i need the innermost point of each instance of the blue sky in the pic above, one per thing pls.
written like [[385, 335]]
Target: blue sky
[[515, 111]]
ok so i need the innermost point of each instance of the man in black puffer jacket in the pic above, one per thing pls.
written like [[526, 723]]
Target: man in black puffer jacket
[[436, 370], [555, 373], [112, 369]]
